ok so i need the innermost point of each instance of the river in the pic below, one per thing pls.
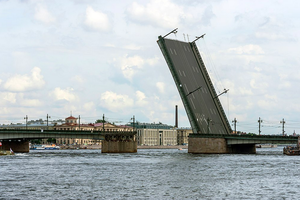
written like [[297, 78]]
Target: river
[[149, 174]]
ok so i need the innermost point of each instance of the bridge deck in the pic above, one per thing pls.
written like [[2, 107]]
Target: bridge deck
[[40, 134], [233, 139]]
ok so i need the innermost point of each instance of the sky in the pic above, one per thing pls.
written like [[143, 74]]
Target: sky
[[94, 57]]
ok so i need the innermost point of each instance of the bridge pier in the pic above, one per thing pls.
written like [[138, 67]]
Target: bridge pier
[[119, 144], [18, 146], [209, 145], [242, 148]]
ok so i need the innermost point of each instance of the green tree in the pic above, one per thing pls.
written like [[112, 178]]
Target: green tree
[[100, 121]]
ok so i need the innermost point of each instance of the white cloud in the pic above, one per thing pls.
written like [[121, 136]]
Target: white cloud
[[89, 106], [61, 94], [116, 102], [268, 103], [132, 47], [249, 49], [165, 14], [141, 99], [96, 20], [130, 65], [78, 79], [43, 15], [8, 97], [161, 87], [20, 83]]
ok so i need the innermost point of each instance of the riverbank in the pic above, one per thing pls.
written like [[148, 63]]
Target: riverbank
[[139, 147]]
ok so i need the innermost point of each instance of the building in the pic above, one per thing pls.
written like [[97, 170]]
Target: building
[[71, 124], [183, 135], [154, 134]]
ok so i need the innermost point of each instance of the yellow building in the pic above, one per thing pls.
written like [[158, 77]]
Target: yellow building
[[155, 137], [71, 124]]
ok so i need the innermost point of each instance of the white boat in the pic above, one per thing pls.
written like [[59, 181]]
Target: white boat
[[266, 145], [44, 147]]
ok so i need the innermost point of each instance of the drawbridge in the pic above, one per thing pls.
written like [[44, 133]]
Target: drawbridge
[[211, 130], [200, 100]]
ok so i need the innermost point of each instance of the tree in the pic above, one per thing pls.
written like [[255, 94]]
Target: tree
[[51, 140], [100, 121]]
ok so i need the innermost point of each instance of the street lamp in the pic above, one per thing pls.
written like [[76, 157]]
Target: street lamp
[[26, 118], [47, 120]]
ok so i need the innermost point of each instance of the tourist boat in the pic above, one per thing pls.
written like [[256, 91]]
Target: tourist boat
[[44, 147], [291, 150]]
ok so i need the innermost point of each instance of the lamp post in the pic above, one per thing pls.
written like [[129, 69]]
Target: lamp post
[[26, 118], [47, 120]]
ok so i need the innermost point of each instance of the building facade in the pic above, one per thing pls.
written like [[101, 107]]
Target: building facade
[[183, 135], [71, 124]]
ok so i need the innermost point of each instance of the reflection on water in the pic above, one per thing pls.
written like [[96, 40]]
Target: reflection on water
[[149, 174]]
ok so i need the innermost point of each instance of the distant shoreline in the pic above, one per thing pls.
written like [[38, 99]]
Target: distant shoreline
[[139, 147], [163, 147]]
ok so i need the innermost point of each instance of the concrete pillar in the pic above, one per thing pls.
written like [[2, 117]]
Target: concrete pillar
[[119, 144], [242, 149], [207, 145], [218, 146], [18, 146]]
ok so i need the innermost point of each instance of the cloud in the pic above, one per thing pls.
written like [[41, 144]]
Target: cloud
[[249, 49], [78, 79], [61, 94], [43, 15], [161, 87], [116, 102], [96, 20], [8, 97], [89, 106], [140, 96], [158, 13], [130, 65], [21, 83]]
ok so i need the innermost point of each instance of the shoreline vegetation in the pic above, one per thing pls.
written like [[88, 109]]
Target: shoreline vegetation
[[139, 147]]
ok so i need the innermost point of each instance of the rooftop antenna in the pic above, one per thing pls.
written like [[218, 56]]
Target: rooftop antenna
[[197, 38], [174, 31], [184, 37]]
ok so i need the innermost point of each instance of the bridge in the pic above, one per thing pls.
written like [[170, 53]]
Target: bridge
[[112, 141], [232, 143], [211, 129]]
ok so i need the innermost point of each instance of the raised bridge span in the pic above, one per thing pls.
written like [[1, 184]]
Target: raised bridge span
[[112, 141], [211, 130]]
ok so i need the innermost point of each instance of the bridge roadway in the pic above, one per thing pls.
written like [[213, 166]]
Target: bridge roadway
[[9, 134], [113, 141], [231, 143], [233, 139]]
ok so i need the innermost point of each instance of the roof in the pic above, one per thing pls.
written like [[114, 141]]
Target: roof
[[71, 117]]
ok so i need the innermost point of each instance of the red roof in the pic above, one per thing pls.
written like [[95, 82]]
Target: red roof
[[71, 117]]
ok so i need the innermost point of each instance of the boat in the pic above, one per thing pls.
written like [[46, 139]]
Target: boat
[[266, 145], [292, 150], [6, 153], [44, 147]]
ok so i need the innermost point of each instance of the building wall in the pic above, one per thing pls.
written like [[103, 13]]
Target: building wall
[[183, 135], [155, 137]]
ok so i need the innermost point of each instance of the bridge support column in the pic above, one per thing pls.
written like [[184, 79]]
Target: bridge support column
[[242, 148], [207, 145], [18, 146], [119, 144]]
